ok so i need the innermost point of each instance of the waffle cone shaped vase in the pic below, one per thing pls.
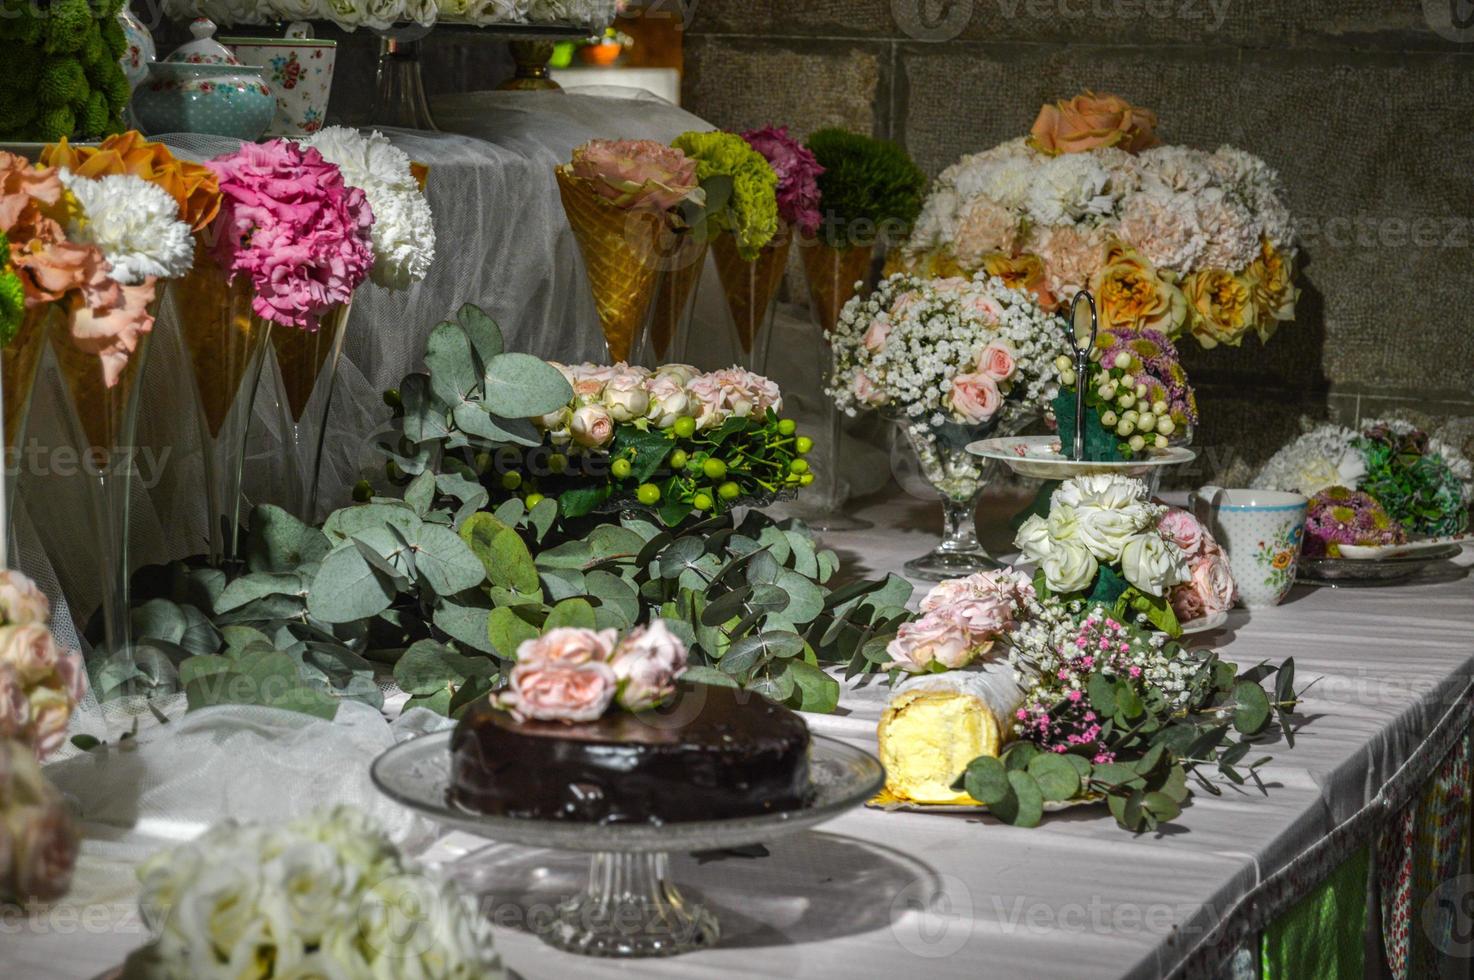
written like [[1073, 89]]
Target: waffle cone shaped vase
[[832, 274], [674, 299], [750, 289]]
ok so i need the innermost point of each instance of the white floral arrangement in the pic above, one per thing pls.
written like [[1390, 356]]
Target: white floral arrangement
[[404, 227], [41, 683], [1170, 238], [383, 14], [327, 895], [1105, 541], [1321, 457], [973, 352]]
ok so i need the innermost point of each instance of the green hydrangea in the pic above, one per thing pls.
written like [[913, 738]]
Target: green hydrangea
[[751, 210], [870, 187], [12, 295]]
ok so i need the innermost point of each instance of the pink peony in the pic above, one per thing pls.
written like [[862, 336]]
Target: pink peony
[[797, 170], [290, 223], [647, 663], [1183, 530], [592, 426], [975, 398], [997, 361], [21, 602], [932, 639], [638, 175]]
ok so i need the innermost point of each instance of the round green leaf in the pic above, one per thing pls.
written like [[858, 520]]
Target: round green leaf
[[520, 386], [1057, 778], [1252, 713], [1030, 799], [986, 781]]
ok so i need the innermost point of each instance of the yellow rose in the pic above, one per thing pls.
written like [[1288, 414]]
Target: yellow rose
[[1222, 307], [1024, 271], [1131, 293], [1272, 276]]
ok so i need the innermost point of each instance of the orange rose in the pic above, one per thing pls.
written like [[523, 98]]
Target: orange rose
[[1221, 306], [1088, 121], [1131, 293], [1272, 278], [1022, 272], [193, 186]]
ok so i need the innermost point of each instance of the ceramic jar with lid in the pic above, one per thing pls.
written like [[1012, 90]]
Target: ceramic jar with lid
[[203, 88]]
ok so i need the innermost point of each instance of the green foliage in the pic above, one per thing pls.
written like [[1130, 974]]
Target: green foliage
[[1124, 600], [741, 189], [1148, 748], [1417, 488], [12, 295], [869, 186], [62, 75]]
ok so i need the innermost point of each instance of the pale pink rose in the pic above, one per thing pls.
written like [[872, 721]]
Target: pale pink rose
[[51, 712], [21, 602], [592, 427], [15, 707], [733, 391], [37, 837], [684, 373], [997, 361], [625, 397], [31, 651], [904, 302], [982, 617], [1183, 530], [72, 673], [568, 646], [1213, 580], [1005, 583], [586, 391], [875, 334], [974, 397], [647, 663], [931, 639], [561, 692], [669, 400], [977, 300], [866, 391]]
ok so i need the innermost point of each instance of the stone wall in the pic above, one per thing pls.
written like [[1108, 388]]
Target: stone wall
[[1360, 104]]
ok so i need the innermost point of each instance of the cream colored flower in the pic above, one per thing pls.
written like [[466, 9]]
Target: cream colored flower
[[135, 224]]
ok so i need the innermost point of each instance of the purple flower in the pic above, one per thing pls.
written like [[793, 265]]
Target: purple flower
[[798, 172]]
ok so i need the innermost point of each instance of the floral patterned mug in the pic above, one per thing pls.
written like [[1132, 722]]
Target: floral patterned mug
[[1261, 530], [299, 69]]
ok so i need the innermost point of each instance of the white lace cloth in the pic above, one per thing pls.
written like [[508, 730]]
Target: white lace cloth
[[871, 893]]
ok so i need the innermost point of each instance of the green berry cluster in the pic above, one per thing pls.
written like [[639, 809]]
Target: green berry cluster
[[62, 76], [1131, 404]]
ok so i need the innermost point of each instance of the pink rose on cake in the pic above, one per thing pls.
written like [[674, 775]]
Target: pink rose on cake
[[574, 675], [647, 663]]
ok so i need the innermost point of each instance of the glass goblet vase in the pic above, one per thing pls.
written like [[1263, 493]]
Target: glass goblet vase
[[682, 258], [959, 478]]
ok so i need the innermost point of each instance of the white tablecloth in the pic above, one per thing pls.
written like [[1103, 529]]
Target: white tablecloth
[[897, 894]]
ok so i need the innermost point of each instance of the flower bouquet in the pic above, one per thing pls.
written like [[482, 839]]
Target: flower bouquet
[[1137, 398], [1167, 238], [951, 360], [327, 894], [750, 277], [381, 15], [1386, 484], [1105, 543], [739, 207], [675, 441], [1062, 701], [621, 198]]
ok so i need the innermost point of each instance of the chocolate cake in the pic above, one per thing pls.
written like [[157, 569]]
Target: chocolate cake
[[711, 753]]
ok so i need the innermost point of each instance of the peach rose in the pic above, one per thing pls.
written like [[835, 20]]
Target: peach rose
[[31, 651], [592, 427], [1089, 121], [38, 842], [997, 361], [1187, 604], [933, 638], [1213, 580], [561, 692], [1024, 272], [647, 663], [21, 602], [875, 334], [1220, 306], [1132, 295], [974, 397], [866, 391], [15, 707], [567, 646]]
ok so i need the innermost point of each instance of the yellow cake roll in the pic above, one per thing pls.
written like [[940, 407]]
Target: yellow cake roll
[[936, 724]]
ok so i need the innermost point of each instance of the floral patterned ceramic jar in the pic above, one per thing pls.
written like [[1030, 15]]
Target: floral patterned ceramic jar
[[202, 88], [299, 70], [1261, 530]]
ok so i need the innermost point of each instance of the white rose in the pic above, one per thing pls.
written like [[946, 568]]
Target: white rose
[[347, 14], [1102, 489], [381, 14], [668, 400], [1153, 564], [1069, 567], [554, 421], [1105, 531], [305, 886], [219, 907], [625, 397], [1033, 540]]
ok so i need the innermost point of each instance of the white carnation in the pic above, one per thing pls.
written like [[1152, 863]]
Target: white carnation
[[1069, 187], [135, 224], [1176, 168], [404, 229], [1232, 232], [1323, 457]]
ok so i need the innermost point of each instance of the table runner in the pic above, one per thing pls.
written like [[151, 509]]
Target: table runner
[[885, 894]]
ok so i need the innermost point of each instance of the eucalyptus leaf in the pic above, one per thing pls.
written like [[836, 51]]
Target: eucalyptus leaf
[[814, 689], [520, 386], [279, 542], [507, 630], [483, 332], [448, 566], [346, 587], [453, 373], [570, 613]]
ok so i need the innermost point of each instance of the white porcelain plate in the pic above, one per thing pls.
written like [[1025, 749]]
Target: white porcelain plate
[[1040, 457], [1204, 623]]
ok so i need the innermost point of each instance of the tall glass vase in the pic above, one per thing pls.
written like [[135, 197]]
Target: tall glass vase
[[19, 362], [835, 276], [305, 361], [103, 419], [751, 291], [959, 478], [675, 300], [225, 344]]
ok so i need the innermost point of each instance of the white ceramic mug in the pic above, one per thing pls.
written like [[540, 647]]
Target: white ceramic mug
[[299, 70], [1261, 530]]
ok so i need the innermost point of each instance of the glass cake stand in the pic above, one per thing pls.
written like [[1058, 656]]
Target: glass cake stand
[[628, 907]]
